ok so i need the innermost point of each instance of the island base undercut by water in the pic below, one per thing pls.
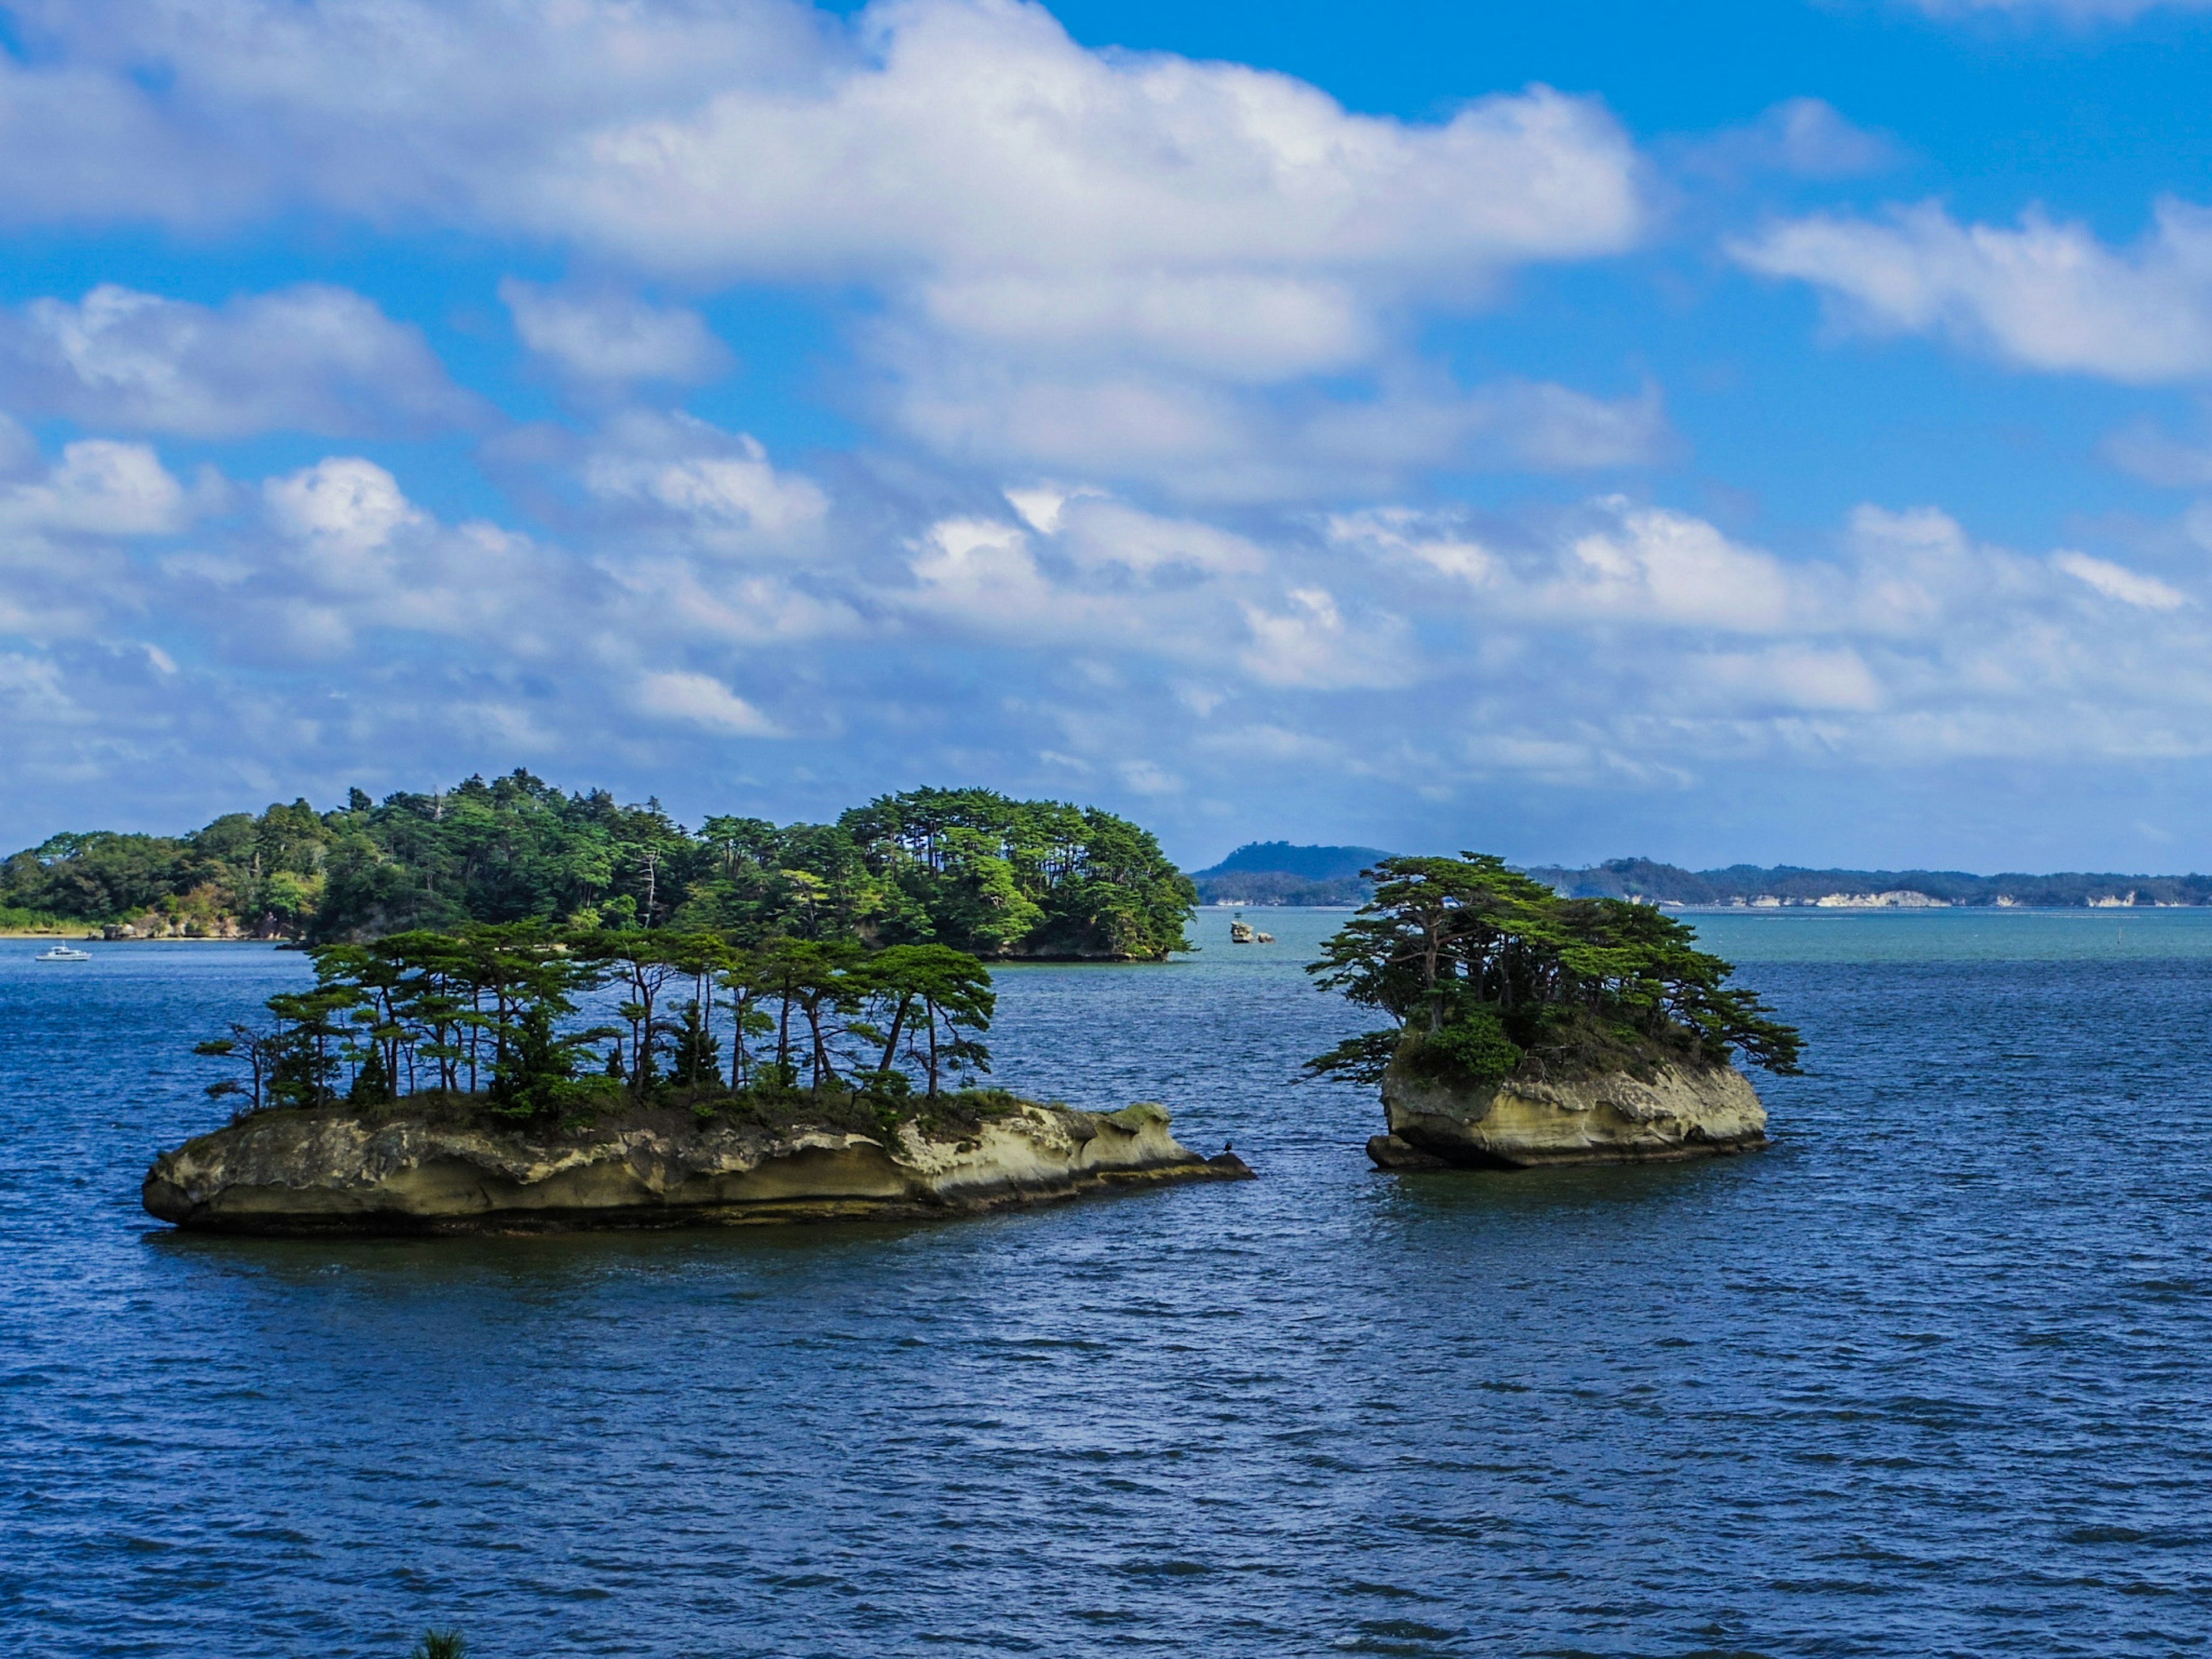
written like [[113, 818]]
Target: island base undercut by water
[[298, 1172], [1681, 1111]]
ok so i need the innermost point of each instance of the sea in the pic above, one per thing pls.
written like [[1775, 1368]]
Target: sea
[[1931, 1376]]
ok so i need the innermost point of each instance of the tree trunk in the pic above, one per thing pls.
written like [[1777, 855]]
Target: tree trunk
[[891, 1047]]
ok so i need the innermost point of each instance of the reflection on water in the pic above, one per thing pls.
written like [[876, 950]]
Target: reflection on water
[[1926, 1377]]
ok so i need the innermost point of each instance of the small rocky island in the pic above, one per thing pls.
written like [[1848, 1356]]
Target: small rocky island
[[456, 1081], [400, 1170], [1533, 1029]]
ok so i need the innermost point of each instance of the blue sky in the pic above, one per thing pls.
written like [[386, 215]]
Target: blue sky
[[1727, 431]]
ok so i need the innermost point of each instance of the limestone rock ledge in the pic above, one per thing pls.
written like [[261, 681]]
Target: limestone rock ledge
[[301, 1173], [1683, 1112]]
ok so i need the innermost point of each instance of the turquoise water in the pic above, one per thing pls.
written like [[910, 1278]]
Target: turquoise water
[[1928, 1377]]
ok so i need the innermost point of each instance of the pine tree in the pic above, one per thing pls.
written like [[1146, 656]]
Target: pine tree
[[698, 1055]]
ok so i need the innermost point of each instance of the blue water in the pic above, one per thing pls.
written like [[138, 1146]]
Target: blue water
[[1931, 1376]]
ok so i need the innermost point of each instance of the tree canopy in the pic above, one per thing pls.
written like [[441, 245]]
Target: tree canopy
[[1488, 974], [969, 869], [548, 1025]]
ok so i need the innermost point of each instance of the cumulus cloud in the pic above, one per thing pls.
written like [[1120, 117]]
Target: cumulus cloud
[[1082, 571], [937, 133], [703, 700], [1072, 253], [1205, 441], [1626, 634], [353, 554], [1060, 629], [2044, 294], [309, 358], [100, 488], [65, 528], [608, 337], [684, 479], [1627, 562], [1310, 643]]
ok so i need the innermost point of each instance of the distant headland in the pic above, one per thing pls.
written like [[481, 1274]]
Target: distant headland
[[1277, 872]]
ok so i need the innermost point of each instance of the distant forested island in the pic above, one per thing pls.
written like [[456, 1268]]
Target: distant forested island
[[1277, 872], [969, 869], [1787, 885]]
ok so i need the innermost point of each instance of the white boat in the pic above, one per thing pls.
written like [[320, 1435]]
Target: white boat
[[62, 953]]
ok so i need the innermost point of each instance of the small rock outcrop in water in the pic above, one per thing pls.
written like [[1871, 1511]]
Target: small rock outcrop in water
[[293, 1172], [1681, 1111], [1533, 1029]]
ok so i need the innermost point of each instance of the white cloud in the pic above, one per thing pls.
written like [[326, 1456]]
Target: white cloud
[[349, 505], [714, 489], [703, 701], [100, 488], [309, 358], [975, 135], [1208, 442], [1103, 259], [1630, 563], [1790, 678], [2046, 295], [967, 134], [351, 553], [2117, 582], [1310, 643], [1617, 645], [613, 336], [1619, 633]]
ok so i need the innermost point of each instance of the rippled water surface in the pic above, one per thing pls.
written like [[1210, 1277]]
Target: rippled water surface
[[1931, 1376]]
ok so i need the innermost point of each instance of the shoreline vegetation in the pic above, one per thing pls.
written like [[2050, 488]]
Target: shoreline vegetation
[[969, 869]]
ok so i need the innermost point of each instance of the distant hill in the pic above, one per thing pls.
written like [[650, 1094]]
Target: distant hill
[[1790, 885], [1277, 872]]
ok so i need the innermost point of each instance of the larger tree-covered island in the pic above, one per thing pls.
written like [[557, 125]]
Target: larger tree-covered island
[[650, 1027], [968, 868], [1529, 1029]]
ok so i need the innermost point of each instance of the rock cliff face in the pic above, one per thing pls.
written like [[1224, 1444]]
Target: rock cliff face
[[297, 1172], [1683, 1112]]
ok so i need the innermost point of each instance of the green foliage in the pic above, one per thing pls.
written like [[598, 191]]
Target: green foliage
[[1471, 1048], [698, 1059], [372, 1082], [490, 1013], [15, 920], [241, 873], [966, 868], [1362, 1058], [441, 1645], [1489, 973]]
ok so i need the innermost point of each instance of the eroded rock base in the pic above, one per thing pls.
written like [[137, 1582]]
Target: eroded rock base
[[1679, 1112], [297, 1173]]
